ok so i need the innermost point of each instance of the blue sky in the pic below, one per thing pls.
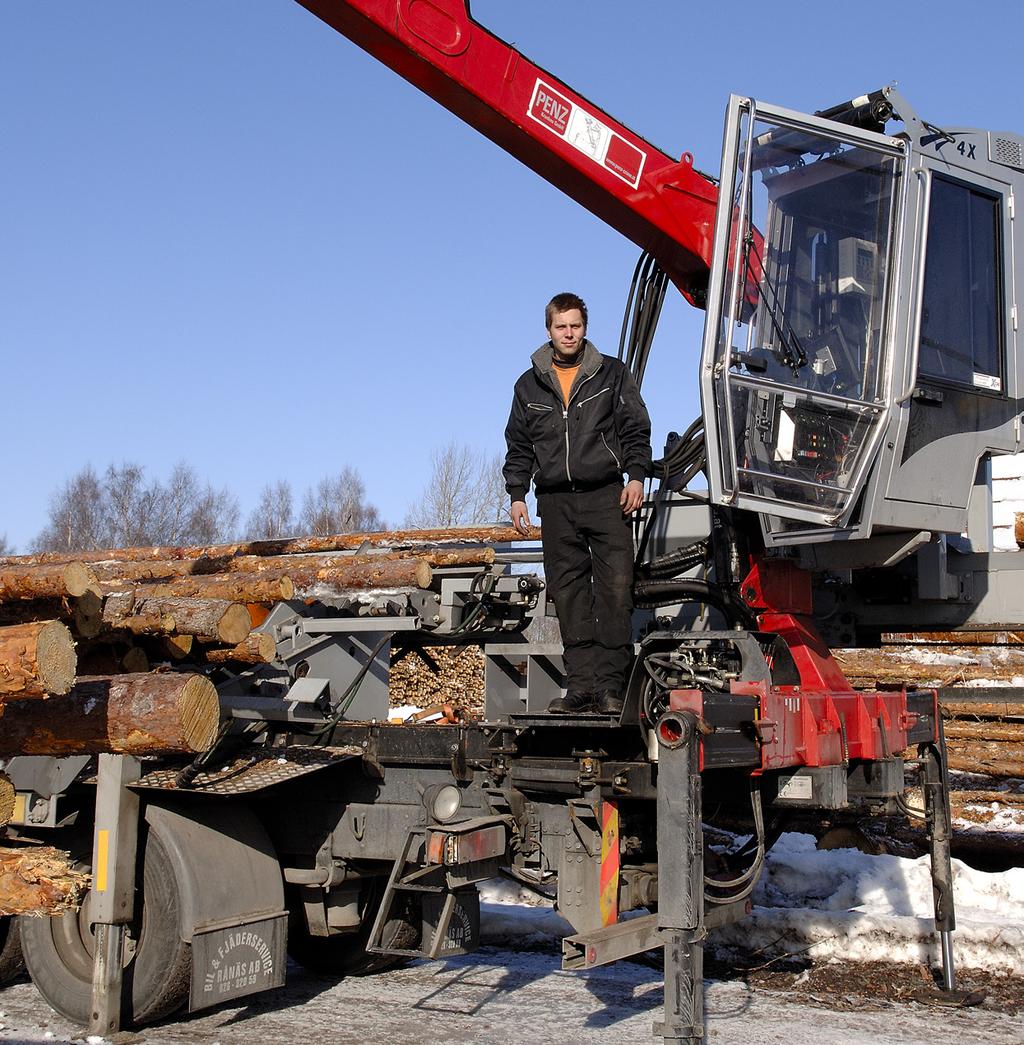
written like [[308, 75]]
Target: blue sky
[[228, 236]]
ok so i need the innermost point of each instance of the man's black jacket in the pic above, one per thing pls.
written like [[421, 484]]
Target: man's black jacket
[[603, 432]]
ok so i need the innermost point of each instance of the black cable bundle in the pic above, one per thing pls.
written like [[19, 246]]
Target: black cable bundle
[[640, 319]]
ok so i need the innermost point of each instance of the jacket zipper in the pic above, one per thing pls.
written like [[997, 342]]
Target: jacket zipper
[[565, 418], [583, 402], [611, 451]]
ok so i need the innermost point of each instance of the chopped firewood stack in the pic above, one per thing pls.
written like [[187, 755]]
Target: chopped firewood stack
[[81, 632], [7, 799], [431, 675]]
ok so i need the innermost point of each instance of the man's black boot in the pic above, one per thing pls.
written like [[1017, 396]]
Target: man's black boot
[[609, 702], [575, 702]]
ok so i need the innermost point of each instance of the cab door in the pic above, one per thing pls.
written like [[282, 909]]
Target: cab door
[[797, 371]]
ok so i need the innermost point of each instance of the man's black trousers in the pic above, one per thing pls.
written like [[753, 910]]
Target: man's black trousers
[[588, 563]]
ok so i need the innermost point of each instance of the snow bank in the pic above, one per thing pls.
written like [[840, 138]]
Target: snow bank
[[846, 904], [839, 903]]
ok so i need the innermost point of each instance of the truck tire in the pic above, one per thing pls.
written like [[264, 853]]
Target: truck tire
[[59, 951], [345, 954], [12, 964]]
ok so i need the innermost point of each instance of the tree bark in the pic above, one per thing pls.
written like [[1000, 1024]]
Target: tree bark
[[215, 620], [147, 714], [392, 573], [866, 667], [258, 648], [997, 731], [1009, 798], [287, 546], [112, 577], [44, 582], [272, 586], [293, 564], [36, 659], [987, 750], [983, 709], [953, 638], [121, 613], [39, 881], [994, 767]]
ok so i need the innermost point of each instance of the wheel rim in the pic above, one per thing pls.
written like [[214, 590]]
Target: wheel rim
[[74, 938]]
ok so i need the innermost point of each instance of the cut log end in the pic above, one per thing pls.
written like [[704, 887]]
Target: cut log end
[[88, 615], [36, 659], [55, 651], [199, 714], [178, 647], [234, 626], [80, 578]]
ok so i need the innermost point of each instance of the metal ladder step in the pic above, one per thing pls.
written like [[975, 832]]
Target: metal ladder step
[[402, 880]]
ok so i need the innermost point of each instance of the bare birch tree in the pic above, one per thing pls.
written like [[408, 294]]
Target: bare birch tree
[[337, 504], [273, 516], [465, 488], [123, 509]]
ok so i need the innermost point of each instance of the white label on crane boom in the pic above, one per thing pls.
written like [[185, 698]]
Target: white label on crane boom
[[586, 133]]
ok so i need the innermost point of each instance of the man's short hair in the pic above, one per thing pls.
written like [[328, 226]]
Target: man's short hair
[[564, 303]]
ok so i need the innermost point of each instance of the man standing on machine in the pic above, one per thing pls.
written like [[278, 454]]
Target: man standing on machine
[[578, 424]]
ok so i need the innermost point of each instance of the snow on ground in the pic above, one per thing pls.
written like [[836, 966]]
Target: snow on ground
[[522, 998], [838, 903], [826, 904], [846, 904]]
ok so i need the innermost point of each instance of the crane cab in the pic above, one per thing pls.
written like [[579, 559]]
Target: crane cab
[[860, 357]]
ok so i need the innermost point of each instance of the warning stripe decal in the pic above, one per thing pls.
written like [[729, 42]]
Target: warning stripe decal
[[609, 901]]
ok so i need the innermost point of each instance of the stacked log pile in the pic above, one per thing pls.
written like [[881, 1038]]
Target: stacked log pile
[[109, 651], [984, 737], [81, 632]]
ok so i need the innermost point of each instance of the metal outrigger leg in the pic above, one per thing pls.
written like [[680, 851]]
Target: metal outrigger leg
[[681, 878], [115, 841], [935, 781]]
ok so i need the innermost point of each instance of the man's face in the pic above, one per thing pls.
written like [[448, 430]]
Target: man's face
[[566, 332]]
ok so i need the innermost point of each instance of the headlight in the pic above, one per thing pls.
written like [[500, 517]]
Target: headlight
[[443, 802]]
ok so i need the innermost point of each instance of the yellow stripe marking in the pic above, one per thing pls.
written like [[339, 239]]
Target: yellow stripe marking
[[99, 881]]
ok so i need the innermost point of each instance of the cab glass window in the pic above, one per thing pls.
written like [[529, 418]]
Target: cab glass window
[[961, 321]]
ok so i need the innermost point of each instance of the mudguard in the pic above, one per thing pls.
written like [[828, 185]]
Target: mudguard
[[225, 865]]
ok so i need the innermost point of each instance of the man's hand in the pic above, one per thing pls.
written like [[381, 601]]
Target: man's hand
[[520, 516], [631, 499]]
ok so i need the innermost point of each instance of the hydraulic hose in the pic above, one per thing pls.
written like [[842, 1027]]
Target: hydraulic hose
[[654, 593]]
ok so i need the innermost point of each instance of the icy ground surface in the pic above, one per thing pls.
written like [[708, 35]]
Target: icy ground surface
[[829, 907]]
